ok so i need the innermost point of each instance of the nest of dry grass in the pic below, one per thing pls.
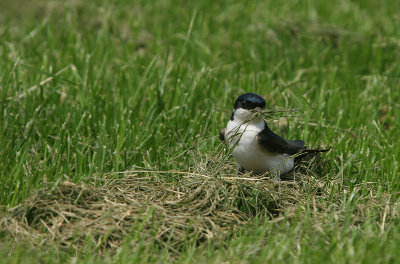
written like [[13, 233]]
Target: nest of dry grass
[[149, 209], [196, 207]]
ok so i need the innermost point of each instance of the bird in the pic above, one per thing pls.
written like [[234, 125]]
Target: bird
[[255, 147]]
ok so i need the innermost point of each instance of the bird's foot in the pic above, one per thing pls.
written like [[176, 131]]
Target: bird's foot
[[240, 171], [276, 176]]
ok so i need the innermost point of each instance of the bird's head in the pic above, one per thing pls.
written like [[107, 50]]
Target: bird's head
[[246, 105]]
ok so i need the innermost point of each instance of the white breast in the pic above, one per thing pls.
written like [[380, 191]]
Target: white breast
[[249, 154]]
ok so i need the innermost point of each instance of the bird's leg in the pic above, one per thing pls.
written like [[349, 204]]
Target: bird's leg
[[276, 176], [240, 171]]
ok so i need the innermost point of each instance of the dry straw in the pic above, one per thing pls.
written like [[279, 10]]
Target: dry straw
[[143, 207], [193, 207]]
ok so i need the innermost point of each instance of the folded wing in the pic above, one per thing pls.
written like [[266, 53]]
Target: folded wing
[[277, 144]]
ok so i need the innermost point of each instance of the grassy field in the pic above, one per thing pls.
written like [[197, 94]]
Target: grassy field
[[93, 88]]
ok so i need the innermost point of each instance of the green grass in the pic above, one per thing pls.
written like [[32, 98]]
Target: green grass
[[92, 87]]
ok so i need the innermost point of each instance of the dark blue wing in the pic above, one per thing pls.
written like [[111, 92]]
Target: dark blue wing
[[277, 144]]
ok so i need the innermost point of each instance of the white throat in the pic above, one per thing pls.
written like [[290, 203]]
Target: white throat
[[244, 116]]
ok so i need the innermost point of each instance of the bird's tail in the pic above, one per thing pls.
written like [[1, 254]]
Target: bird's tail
[[309, 151], [306, 152]]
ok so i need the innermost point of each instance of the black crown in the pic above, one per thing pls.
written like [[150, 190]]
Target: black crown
[[249, 101]]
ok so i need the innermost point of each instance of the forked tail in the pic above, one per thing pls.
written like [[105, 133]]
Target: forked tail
[[309, 151]]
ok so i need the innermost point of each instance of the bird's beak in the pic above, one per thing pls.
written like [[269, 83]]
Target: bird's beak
[[258, 109]]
